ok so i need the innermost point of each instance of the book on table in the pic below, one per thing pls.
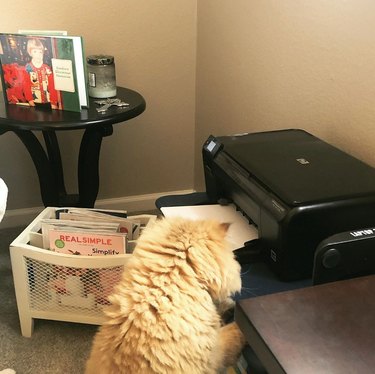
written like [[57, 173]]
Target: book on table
[[44, 70]]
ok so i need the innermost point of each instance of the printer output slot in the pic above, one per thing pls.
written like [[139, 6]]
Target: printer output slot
[[250, 253]]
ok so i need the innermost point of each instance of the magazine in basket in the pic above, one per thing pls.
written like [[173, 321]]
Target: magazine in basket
[[65, 287]]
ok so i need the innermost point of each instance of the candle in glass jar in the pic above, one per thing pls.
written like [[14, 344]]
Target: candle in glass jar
[[101, 76]]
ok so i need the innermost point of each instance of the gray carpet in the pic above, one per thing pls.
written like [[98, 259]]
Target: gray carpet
[[54, 348]]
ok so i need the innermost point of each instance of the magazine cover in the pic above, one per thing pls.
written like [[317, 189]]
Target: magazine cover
[[41, 71], [87, 243]]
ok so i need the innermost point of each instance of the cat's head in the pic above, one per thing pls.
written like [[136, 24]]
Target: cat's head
[[199, 248]]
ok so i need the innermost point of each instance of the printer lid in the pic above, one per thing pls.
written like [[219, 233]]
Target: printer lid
[[298, 167]]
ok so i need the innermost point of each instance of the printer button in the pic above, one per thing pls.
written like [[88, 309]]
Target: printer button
[[331, 258]]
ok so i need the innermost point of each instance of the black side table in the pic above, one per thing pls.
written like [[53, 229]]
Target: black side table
[[23, 121]]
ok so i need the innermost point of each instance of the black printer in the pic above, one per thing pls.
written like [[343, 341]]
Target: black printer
[[296, 188]]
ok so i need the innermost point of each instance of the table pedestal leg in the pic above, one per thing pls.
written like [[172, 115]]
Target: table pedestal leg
[[88, 164], [50, 171], [54, 157], [46, 173]]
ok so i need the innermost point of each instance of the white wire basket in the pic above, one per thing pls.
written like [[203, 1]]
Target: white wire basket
[[62, 287]]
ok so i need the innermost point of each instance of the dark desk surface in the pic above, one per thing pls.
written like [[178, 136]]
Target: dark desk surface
[[328, 328]]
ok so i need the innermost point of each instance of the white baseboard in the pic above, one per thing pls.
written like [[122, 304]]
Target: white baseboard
[[137, 203]]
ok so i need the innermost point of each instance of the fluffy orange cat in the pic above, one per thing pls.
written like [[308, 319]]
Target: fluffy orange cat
[[165, 312]]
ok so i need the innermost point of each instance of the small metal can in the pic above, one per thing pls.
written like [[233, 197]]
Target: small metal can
[[101, 76]]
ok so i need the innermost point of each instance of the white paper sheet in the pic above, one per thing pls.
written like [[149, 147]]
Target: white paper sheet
[[240, 230]]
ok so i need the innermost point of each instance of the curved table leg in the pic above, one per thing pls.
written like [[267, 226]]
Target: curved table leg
[[48, 186], [48, 165], [88, 164], [54, 156]]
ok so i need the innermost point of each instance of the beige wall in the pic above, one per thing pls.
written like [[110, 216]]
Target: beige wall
[[261, 64], [270, 64], [154, 44]]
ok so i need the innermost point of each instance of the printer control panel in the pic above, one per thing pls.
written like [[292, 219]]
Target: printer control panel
[[212, 146]]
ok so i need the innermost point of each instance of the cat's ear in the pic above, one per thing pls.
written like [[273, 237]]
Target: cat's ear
[[225, 226]]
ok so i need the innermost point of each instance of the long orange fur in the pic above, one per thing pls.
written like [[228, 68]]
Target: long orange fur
[[164, 316]]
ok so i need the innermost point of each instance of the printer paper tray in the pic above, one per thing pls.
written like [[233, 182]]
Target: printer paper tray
[[240, 230]]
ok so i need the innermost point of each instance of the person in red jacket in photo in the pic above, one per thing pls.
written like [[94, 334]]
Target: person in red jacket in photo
[[39, 87]]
